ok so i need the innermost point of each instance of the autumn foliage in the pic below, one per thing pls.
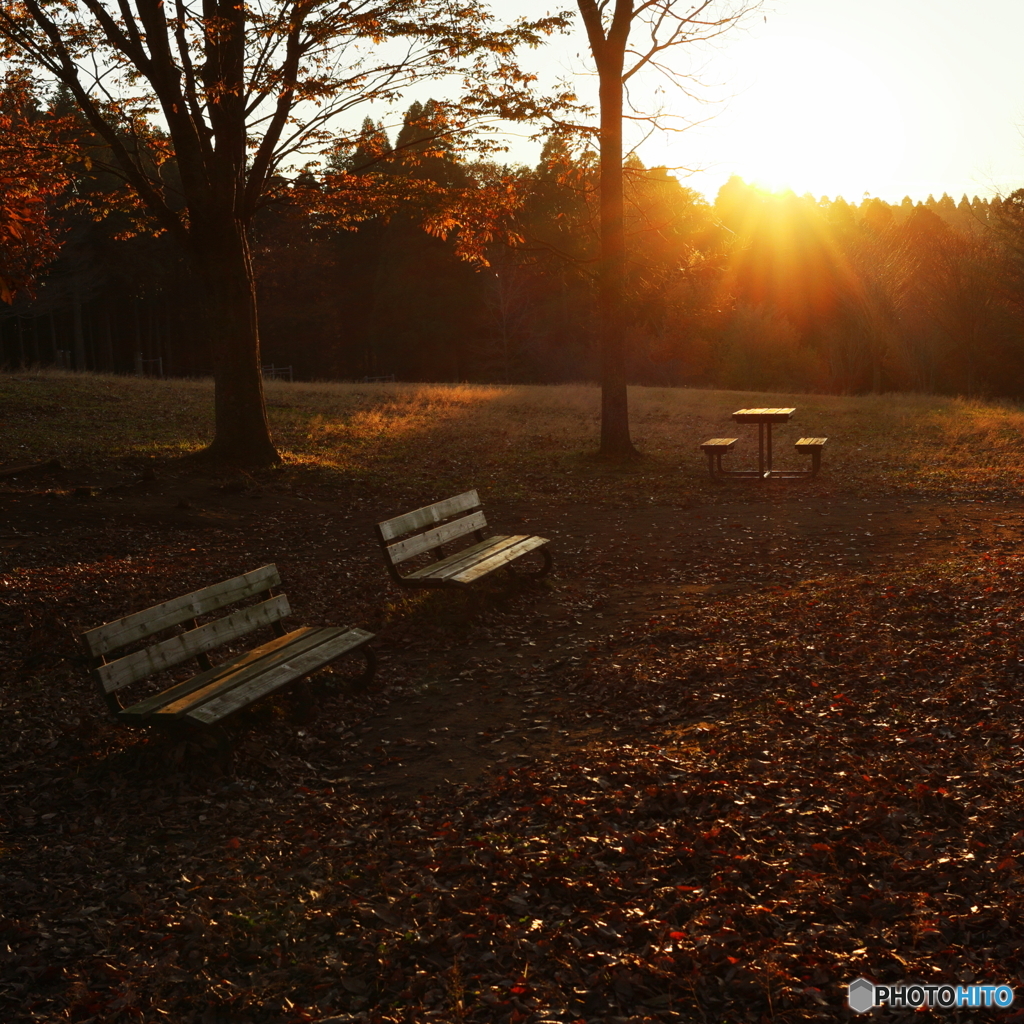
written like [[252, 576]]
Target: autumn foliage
[[34, 174]]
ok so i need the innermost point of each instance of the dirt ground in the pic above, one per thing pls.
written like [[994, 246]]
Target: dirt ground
[[482, 690]]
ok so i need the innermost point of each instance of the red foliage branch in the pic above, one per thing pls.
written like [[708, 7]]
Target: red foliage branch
[[473, 215], [36, 155]]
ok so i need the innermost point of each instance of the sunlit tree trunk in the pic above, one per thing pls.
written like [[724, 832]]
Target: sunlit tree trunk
[[665, 25], [615, 439], [609, 50]]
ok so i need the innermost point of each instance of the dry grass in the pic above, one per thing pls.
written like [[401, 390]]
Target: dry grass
[[525, 441]]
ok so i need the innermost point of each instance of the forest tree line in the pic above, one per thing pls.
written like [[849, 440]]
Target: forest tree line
[[754, 291]]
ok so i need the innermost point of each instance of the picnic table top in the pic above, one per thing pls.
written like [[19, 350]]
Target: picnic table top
[[762, 415]]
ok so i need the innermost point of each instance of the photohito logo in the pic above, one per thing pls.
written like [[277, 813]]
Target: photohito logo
[[864, 995]]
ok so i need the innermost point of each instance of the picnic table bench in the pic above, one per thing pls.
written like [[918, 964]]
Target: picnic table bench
[[428, 530], [218, 690], [714, 448], [811, 446]]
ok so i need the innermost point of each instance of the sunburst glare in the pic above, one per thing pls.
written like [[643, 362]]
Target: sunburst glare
[[816, 119]]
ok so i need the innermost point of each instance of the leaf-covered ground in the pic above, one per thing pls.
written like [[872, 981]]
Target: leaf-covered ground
[[746, 799], [727, 759]]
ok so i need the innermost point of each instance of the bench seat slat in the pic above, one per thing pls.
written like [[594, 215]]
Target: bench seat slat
[[145, 708], [284, 667], [809, 443], [429, 515], [139, 625], [507, 554], [461, 560], [416, 545], [224, 678], [177, 649]]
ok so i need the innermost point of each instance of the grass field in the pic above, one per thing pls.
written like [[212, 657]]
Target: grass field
[[513, 442]]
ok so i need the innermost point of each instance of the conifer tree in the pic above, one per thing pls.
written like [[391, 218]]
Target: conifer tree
[[372, 150]]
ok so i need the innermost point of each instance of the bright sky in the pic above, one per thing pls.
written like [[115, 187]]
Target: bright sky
[[888, 97]]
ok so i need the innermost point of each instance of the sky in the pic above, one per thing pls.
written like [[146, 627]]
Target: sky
[[881, 97]]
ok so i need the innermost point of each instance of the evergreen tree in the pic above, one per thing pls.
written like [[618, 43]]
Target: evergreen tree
[[425, 147], [877, 215], [372, 151]]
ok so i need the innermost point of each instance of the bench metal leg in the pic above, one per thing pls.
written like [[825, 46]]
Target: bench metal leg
[[187, 738], [301, 710], [715, 469], [369, 669], [542, 571], [815, 462], [359, 683]]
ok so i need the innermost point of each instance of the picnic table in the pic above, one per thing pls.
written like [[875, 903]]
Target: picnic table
[[716, 447]]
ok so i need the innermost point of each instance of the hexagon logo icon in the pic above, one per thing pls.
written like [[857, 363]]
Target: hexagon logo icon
[[861, 995]]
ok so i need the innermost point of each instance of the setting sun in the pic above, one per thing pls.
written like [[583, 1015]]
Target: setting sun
[[893, 100], [814, 119]]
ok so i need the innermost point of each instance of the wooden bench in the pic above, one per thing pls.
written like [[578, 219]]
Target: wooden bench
[[812, 446], [218, 690], [428, 530], [715, 448]]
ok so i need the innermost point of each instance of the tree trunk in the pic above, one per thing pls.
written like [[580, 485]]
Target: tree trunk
[[615, 439], [78, 331], [221, 255], [107, 362], [54, 354]]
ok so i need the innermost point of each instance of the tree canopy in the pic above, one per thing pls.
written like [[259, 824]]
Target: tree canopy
[[205, 110]]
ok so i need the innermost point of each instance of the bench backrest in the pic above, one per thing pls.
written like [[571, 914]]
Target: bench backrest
[[428, 528], [193, 643]]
